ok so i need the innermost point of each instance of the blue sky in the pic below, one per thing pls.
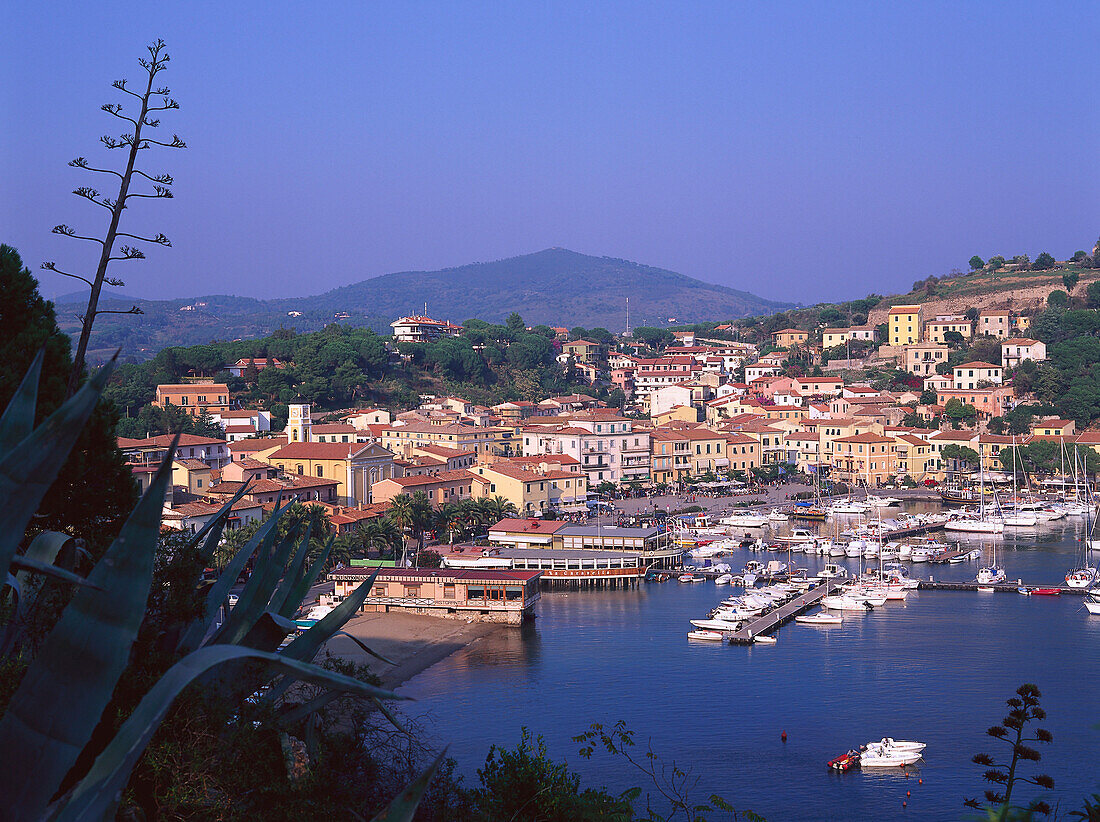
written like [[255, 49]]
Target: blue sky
[[802, 151]]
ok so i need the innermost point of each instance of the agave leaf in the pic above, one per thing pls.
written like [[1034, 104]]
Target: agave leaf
[[17, 611], [25, 564], [290, 578], [218, 520], [305, 646], [62, 696], [359, 642], [195, 633], [268, 632], [301, 588], [403, 808], [30, 466], [300, 712], [253, 600], [18, 420], [44, 548], [96, 796]]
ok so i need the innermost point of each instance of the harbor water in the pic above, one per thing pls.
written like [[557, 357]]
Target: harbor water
[[936, 668]]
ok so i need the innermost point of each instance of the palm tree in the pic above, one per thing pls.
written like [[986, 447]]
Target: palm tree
[[447, 517], [402, 513], [500, 508], [423, 517], [380, 533]]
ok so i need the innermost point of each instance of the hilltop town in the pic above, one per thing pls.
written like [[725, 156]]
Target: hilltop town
[[907, 402]]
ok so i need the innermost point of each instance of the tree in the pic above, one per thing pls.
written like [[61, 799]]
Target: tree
[[1092, 294], [928, 397], [1024, 709], [1069, 280], [953, 339], [1022, 261], [515, 323], [134, 142], [996, 261], [960, 454], [976, 262], [1079, 256], [95, 490], [1044, 262], [1057, 299], [972, 314]]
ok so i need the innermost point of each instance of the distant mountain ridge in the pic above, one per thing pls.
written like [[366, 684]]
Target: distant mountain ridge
[[556, 286]]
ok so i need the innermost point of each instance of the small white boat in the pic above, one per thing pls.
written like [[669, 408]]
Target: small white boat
[[715, 625], [854, 549], [833, 571], [724, 579], [920, 553], [708, 636], [837, 550], [986, 589], [897, 744], [1081, 577], [881, 756], [1092, 604], [776, 516], [883, 502], [745, 519], [992, 575], [763, 639], [820, 618]]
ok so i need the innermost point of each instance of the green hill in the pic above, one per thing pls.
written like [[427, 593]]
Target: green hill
[[555, 286]]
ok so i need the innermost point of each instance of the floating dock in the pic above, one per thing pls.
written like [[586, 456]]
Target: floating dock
[[1000, 588], [781, 615]]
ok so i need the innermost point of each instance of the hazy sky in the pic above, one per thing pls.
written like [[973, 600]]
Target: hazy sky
[[803, 151]]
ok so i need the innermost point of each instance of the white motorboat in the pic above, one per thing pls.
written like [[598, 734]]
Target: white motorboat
[[845, 603], [706, 636], [875, 597], [1020, 519], [745, 519], [890, 551], [724, 579], [777, 516], [1092, 604], [897, 744], [881, 756], [883, 502], [716, 625], [833, 571], [848, 507], [870, 550], [921, 553], [854, 549], [820, 618], [905, 550], [764, 640], [797, 535], [837, 550]]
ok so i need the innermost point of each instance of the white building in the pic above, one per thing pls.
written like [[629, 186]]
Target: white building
[[607, 447], [972, 374], [1016, 350], [239, 425], [423, 329]]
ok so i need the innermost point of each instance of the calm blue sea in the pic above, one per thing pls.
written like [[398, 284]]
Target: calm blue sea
[[936, 668]]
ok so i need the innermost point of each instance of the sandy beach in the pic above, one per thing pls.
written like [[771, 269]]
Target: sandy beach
[[413, 642]]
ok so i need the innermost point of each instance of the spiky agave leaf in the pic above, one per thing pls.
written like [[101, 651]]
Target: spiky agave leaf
[[293, 574], [297, 593], [219, 591], [254, 599], [31, 465], [18, 420], [403, 807], [96, 796], [62, 696]]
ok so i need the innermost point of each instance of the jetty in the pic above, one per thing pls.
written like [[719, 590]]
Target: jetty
[[1000, 587], [783, 614]]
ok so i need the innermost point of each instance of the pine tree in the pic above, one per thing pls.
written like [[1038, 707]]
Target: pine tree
[[95, 491]]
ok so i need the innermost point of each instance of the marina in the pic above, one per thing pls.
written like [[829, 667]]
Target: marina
[[768, 622], [936, 668]]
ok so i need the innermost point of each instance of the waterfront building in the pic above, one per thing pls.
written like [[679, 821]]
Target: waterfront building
[[446, 486], [864, 459], [506, 596], [607, 446]]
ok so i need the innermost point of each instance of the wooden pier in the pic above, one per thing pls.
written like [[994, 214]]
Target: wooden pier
[[781, 615], [1000, 588]]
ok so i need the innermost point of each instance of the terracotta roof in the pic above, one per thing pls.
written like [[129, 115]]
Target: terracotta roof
[[164, 440], [334, 428], [257, 444], [318, 450], [443, 451], [191, 388], [529, 526], [432, 479], [193, 465], [867, 437], [976, 364]]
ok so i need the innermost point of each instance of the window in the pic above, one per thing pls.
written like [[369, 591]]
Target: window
[[320, 471], [448, 590]]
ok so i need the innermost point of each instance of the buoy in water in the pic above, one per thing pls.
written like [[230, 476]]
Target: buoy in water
[[920, 781], [783, 736], [907, 793], [904, 803]]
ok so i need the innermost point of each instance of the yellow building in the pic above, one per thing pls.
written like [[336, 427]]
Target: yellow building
[[937, 327], [195, 399], [904, 324], [742, 452], [192, 474], [670, 455], [832, 337], [864, 459], [790, 336], [402, 439], [356, 467]]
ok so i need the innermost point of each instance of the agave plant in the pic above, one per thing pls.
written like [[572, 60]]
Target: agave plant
[[70, 681]]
